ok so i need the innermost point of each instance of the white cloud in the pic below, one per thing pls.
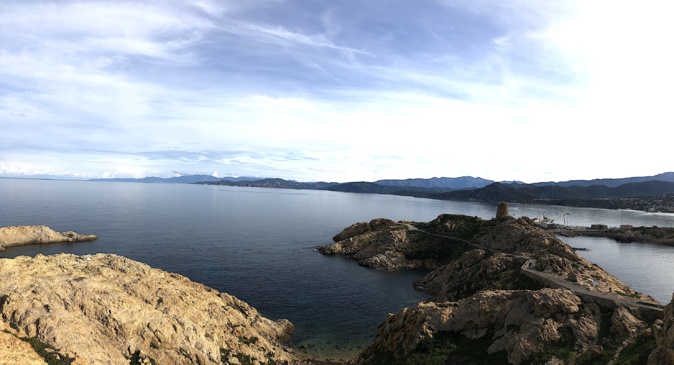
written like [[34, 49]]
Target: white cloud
[[232, 88]]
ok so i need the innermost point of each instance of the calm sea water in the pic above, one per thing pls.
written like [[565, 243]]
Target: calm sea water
[[258, 244]]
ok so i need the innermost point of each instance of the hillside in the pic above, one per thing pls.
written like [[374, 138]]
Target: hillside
[[667, 176], [445, 183], [647, 196]]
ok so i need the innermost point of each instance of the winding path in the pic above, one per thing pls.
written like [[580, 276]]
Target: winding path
[[547, 278], [558, 281]]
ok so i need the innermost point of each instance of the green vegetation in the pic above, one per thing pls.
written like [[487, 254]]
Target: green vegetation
[[513, 279], [657, 232], [47, 352], [248, 340], [430, 247], [635, 295], [225, 355], [637, 352], [136, 359], [609, 344], [563, 349], [449, 348]]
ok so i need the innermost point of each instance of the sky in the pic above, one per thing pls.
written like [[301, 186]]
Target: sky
[[346, 90]]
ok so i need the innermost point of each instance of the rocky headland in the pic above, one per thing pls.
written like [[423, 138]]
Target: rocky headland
[[503, 291], [107, 309], [26, 235]]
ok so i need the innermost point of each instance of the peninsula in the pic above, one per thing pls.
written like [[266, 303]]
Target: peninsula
[[503, 291]]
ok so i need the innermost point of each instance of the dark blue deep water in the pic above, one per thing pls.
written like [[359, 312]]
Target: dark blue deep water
[[257, 244]]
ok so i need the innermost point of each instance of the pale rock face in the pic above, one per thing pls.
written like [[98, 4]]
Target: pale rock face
[[520, 322], [24, 235], [468, 274], [103, 308], [15, 351]]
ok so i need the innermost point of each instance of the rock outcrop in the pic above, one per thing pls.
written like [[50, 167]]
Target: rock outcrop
[[106, 309], [664, 336], [380, 243], [513, 325], [25, 235]]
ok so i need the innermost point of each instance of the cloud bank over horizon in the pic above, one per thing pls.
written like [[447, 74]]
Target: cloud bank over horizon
[[531, 91]]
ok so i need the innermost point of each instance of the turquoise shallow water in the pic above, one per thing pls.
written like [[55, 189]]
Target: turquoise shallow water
[[259, 244]]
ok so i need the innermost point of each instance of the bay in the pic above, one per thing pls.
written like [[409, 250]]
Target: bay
[[259, 244]]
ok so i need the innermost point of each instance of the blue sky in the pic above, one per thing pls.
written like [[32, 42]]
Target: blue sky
[[336, 90]]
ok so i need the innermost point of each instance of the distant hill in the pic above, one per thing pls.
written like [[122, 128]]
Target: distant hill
[[667, 176], [349, 187], [188, 179], [445, 183], [271, 183], [364, 187], [530, 193]]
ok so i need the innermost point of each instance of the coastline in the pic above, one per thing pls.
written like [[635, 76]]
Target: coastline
[[488, 263]]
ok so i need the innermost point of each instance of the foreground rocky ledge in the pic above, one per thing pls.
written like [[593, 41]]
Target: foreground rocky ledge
[[25, 235], [107, 309]]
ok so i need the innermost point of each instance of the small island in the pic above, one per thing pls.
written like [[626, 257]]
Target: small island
[[26, 235]]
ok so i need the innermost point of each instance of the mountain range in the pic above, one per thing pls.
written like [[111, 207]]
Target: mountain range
[[653, 193], [187, 179]]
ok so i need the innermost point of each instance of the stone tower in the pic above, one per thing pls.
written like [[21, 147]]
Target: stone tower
[[502, 210]]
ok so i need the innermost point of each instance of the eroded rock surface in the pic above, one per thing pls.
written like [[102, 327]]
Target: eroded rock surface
[[512, 324], [103, 309], [25, 235], [15, 351]]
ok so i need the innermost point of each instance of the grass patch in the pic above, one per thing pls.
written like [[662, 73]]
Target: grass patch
[[635, 295], [47, 352], [136, 359], [449, 348], [637, 352], [513, 279], [563, 349], [248, 340], [440, 249], [225, 355]]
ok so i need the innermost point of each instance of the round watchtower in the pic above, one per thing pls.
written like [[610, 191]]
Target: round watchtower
[[502, 210]]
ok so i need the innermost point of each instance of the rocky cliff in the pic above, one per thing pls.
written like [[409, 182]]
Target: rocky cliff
[[24, 235], [503, 291], [107, 309], [663, 354]]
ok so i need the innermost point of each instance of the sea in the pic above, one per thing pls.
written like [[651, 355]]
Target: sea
[[260, 245]]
